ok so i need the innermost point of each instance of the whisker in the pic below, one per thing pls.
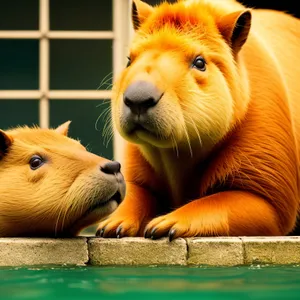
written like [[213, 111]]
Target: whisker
[[57, 220], [103, 113], [105, 79], [103, 102], [196, 130], [109, 86], [64, 219], [110, 138], [108, 131], [175, 147], [188, 139]]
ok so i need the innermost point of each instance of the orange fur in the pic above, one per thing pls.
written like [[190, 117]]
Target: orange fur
[[222, 153], [67, 193]]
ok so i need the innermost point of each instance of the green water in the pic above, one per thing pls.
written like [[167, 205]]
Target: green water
[[87, 283]]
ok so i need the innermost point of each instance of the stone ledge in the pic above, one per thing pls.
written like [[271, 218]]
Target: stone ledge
[[271, 250], [215, 251], [38, 251], [222, 251], [137, 251]]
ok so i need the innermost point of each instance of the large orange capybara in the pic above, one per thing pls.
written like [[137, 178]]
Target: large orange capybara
[[209, 105], [51, 186]]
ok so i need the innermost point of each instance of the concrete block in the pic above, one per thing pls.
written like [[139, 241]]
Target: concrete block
[[272, 250], [40, 251], [137, 251], [219, 251]]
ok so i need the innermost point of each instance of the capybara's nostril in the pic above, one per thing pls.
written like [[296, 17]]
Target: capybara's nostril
[[143, 104], [111, 167], [141, 95]]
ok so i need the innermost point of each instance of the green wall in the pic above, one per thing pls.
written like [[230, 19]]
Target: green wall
[[74, 64]]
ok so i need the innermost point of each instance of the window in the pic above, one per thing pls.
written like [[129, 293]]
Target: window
[[53, 56]]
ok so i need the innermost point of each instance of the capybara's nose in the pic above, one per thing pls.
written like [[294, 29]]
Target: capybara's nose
[[112, 167], [140, 96]]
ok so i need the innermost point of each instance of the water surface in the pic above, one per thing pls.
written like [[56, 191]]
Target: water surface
[[143, 283]]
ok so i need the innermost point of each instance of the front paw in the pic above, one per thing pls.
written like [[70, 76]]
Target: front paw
[[117, 226], [169, 226]]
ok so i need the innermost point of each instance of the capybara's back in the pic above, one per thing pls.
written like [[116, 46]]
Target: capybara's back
[[50, 185]]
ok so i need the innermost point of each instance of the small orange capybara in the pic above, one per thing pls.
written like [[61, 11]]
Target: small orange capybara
[[209, 104], [50, 185]]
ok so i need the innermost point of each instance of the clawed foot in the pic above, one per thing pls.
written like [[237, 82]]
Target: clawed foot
[[184, 222], [118, 227], [169, 226]]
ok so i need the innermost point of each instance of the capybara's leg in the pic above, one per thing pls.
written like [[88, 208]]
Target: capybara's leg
[[131, 217], [232, 213]]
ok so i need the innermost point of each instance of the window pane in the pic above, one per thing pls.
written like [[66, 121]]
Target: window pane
[[84, 115], [19, 15], [79, 64], [18, 112], [81, 15], [19, 61]]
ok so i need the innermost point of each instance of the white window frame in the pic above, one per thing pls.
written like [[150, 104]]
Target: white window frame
[[120, 36]]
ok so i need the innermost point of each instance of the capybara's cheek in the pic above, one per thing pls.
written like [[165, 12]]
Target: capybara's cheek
[[26, 205], [207, 108], [34, 176]]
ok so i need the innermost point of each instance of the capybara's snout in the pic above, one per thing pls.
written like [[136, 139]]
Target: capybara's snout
[[111, 167], [112, 171]]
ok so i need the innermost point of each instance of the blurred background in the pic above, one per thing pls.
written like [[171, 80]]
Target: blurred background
[[51, 69]]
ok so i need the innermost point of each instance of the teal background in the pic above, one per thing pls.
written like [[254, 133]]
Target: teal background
[[19, 64], [19, 15], [74, 65]]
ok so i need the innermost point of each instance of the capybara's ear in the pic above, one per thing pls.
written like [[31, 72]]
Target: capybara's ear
[[235, 28], [140, 11], [63, 128], [5, 142]]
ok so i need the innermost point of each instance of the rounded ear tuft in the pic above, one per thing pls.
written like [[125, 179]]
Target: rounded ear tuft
[[134, 16], [140, 11], [235, 28], [63, 128], [5, 142]]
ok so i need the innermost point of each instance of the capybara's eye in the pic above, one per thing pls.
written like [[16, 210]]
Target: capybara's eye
[[35, 162], [199, 63], [129, 62]]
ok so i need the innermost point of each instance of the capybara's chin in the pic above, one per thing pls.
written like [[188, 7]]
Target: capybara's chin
[[147, 128], [50, 185]]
